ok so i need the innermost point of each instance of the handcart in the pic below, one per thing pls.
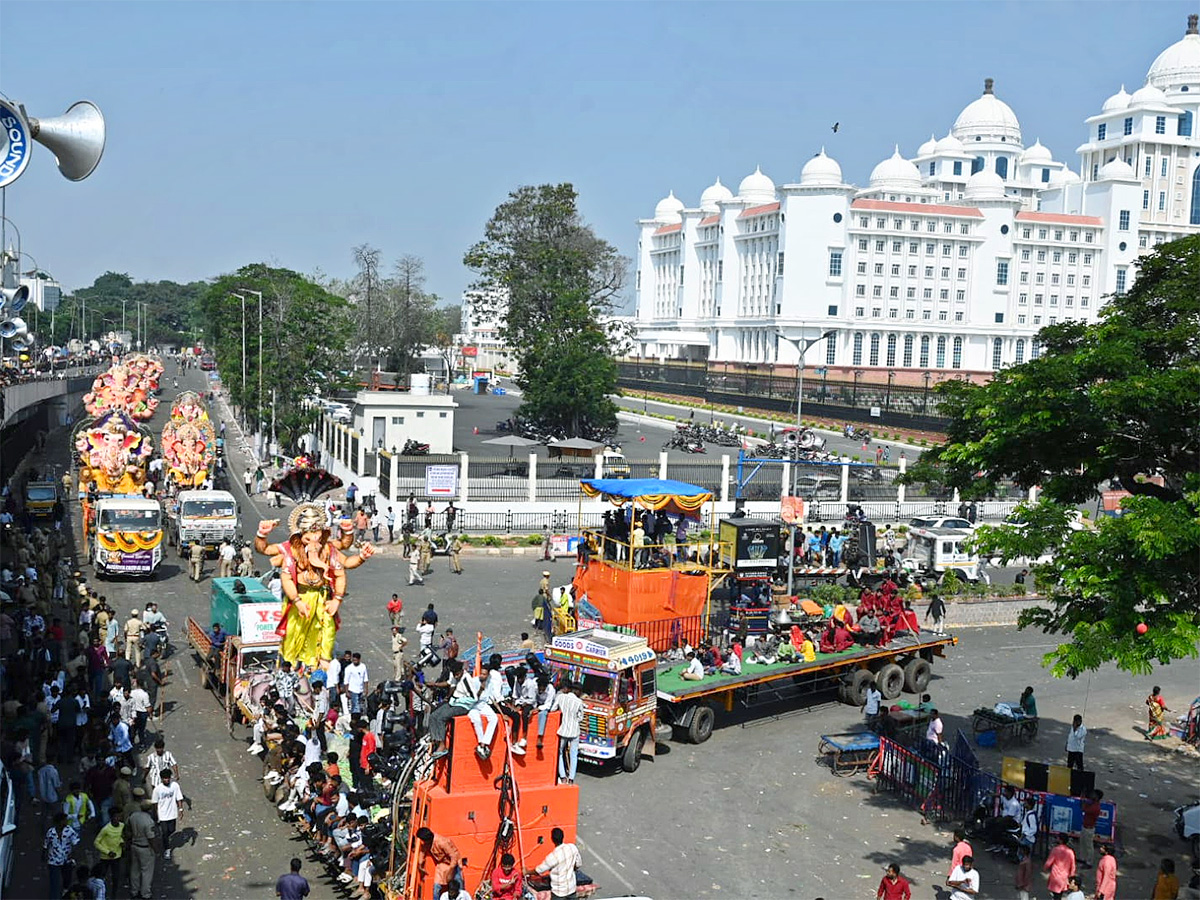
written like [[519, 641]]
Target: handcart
[[849, 752], [1016, 728]]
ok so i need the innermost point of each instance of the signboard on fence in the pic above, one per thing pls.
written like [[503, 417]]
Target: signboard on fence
[[564, 544], [257, 622], [441, 481]]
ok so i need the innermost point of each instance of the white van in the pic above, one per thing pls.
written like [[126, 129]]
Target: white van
[[933, 552]]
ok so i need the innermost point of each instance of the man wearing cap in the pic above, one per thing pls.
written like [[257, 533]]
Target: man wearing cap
[[196, 561], [399, 642], [122, 791], [133, 639], [143, 835]]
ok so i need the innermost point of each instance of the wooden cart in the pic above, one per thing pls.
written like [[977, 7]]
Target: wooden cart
[[849, 752], [1019, 729]]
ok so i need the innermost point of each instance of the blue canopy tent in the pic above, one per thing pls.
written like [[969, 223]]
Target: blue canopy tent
[[675, 497]]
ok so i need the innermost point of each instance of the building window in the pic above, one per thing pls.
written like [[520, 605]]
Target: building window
[[857, 354], [895, 246], [863, 222], [964, 228], [1095, 171], [945, 271], [943, 315], [948, 227], [1002, 272], [915, 225], [1123, 220], [831, 344], [835, 263], [928, 249], [931, 226], [873, 360], [912, 271], [779, 266], [1121, 271], [929, 271], [1022, 299], [932, 167], [1035, 349], [925, 315], [1054, 278], [859, 311], [1087, 259], [1185, 124], [958, 167], [1128, 125], [1020, 320], [960, 296], [862, 244], [1101, 132], [944, 294], [895, 268], [1083, 301], [1038, 299], [876, 312], [877, 290], [860, 290], [997, 347], [941, 353], [1146, 199], [420, 415], [1002, 167], [1019, 357], [1162, 200], [898, 224], [878, 268], [924, 358], [879, 246], [881, 223], [1041, 257], [894, 291], [1040, 278], [977, 165], [908, 349], [862, 268], [1025, 255], [891, 350], [956, 356], [1165, 160], [927, 293], [1072, 256], [909, 314], [1149, 166], [946, 249], [1057, 256], [397, 420], [1195, 216], [912, 245], [911, 293], [1160, 124]]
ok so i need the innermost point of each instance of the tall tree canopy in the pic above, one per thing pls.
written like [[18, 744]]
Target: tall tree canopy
[[1115, 403], [305, 332], [550, 279], [170, 310]]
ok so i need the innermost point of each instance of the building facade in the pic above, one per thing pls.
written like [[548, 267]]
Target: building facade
[[951, 260]]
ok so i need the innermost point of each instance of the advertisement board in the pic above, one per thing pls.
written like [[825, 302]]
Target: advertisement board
[[257, 622], [441, 481], [749, 545]]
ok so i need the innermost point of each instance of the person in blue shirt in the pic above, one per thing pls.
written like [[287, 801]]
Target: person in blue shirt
[[814, 548], [217, 636], [836, 542]]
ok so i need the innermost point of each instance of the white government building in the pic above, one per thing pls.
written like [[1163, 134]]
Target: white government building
[[950, 260]]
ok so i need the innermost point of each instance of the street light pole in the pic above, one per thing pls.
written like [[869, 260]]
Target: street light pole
[[803, 348], [242, 297], [258, 400]]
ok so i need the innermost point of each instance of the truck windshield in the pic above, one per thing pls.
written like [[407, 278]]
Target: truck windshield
[[133, 519], [41, 492], [590, 685], [209, 509]]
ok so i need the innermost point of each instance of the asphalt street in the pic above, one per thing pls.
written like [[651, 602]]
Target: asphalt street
[[749, 813]]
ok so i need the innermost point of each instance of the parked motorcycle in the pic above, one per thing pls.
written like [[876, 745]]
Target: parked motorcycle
[[413, 448]]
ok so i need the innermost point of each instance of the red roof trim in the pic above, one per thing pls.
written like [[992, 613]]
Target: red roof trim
[[667, 229], [933, 209], [1058, 218], [758, 210], [710, 220]]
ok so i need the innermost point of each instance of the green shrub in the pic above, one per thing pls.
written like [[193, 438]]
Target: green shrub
[[490, 540], [951, 584], [533, 540], [921, 442]]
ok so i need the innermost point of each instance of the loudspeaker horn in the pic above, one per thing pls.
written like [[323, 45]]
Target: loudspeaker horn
[[14, 299], [76, 138], [23, 342], [11, 328]]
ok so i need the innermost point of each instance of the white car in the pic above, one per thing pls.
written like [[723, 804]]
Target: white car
[[939, 522]]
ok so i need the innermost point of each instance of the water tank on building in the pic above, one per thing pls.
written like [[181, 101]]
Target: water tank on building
[[420, 384]]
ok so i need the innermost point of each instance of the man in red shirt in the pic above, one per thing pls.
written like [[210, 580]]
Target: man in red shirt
[[1087, 837], [961, 849], [507, 882], [893, 886]]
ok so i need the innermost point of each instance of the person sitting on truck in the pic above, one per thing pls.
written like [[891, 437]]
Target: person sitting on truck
[[732, 665], [869, 631], [835, 638], [695, 668], [545, 702], [216, 636]]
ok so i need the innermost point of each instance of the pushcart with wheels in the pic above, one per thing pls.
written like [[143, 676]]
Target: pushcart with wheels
[[1008, 729], [849, 752]]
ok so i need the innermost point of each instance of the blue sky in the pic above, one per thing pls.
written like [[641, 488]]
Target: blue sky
[[291, 132]]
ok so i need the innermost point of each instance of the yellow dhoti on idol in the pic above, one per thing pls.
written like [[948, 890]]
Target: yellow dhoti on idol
[[308, 639]]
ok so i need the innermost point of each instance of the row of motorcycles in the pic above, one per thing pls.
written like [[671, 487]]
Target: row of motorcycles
[[691, 438]]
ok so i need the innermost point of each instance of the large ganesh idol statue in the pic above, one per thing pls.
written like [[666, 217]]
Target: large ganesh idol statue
[[113, 453], [313, 571], [188, 442], [127, 386]]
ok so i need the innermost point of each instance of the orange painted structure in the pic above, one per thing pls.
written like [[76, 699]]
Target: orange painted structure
[[626, 595]]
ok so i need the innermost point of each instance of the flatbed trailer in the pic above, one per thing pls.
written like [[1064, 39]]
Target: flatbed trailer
[[691, 707]]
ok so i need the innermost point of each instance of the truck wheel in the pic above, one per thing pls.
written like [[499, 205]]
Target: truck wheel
[[632, 757], [917, 673], [856, 687], [890, 681], [701, 728]]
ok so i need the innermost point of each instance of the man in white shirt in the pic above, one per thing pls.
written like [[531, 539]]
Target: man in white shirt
[[1075, 741], [356, 682], [1029, 822], [934, 731], [225, 567], [732, 664], [568, 732], [871, 701], [546, 695], [964, 880], [167, 796], [482, 715], [377, 522], [561, 863], [695, 668]]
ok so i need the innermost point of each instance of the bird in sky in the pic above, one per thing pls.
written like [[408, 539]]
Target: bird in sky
[[836, 126]]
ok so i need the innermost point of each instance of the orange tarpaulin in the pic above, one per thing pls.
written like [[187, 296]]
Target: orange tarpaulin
[[625, 597]]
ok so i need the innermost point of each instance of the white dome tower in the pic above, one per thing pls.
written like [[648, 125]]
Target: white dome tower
[[821, 170], [713, 194], [1117, 102], [896, 173], [669, 209], [1179, 64], [988, 119], [757, 188]]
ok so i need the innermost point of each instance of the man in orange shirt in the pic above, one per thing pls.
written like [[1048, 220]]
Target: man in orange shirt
[[1106, 874], [446, 858], [1060, 863], [961, 849]]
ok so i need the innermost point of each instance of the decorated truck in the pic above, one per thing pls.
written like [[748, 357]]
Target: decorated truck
[[125, 535], [204, 517]]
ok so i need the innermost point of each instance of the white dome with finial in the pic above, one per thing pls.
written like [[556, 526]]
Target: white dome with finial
[[1117, 170], [1147, 94], [757, 188], [896, 172], [1037, 154], [949, 144], [668, 209], [713, 194], [989, 118], [1118, 101], [928, 148], [1064, 176], [1179, 64], [821, 169], [984, 185]]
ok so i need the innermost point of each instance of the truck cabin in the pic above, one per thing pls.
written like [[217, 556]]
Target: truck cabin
[[40, 497], [116, 517], [208, 508], [938, 550]]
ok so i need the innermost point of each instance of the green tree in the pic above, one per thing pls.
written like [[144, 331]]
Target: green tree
[[550, 279], [1114, 403], [306, 330], [169, 310]]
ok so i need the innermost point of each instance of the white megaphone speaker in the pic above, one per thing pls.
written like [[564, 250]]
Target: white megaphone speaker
[[14, 299], [13, 328], [76, 138], [23, 342]]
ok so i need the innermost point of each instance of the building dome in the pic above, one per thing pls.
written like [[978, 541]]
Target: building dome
[[949, 144], [713, 194], [989, 118], [928, 148], [1146, 95], [668, 209], [896, 172], [1063, 176], [1116, 102], [1179, 63], [1117, 170], [821, 169], [757, 188], [984, 185], [1037, 154]]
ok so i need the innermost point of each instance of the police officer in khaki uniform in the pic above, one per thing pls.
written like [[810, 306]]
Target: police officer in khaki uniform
[[133, 639], [426, 551], [196, 559], [455, 550]]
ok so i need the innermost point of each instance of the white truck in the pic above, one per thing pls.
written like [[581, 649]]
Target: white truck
[[932, 552], [205, 517], [125, 535]]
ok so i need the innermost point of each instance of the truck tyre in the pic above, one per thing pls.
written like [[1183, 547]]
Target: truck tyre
[[856, 687], [632, 757], [917, 673], [890, 681], [701, 728]]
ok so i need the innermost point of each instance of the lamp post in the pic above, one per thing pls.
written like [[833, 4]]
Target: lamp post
[[887, 400], [925, 396], [858, 373], [242, 297], [801, 346], [258, 399]]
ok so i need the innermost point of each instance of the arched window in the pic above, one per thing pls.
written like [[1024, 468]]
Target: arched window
[[956, 357], [1036, 350], [1185, 124], [831, 349], [857, 348], [941, 353], [997, 348], [1002, 167], [977, 165], [874, 358], [891, 350], [908, 347], [1195, 220], [1020, 357], [924, 351]]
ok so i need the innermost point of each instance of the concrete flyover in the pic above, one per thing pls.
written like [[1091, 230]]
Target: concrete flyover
[[31, 408]]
